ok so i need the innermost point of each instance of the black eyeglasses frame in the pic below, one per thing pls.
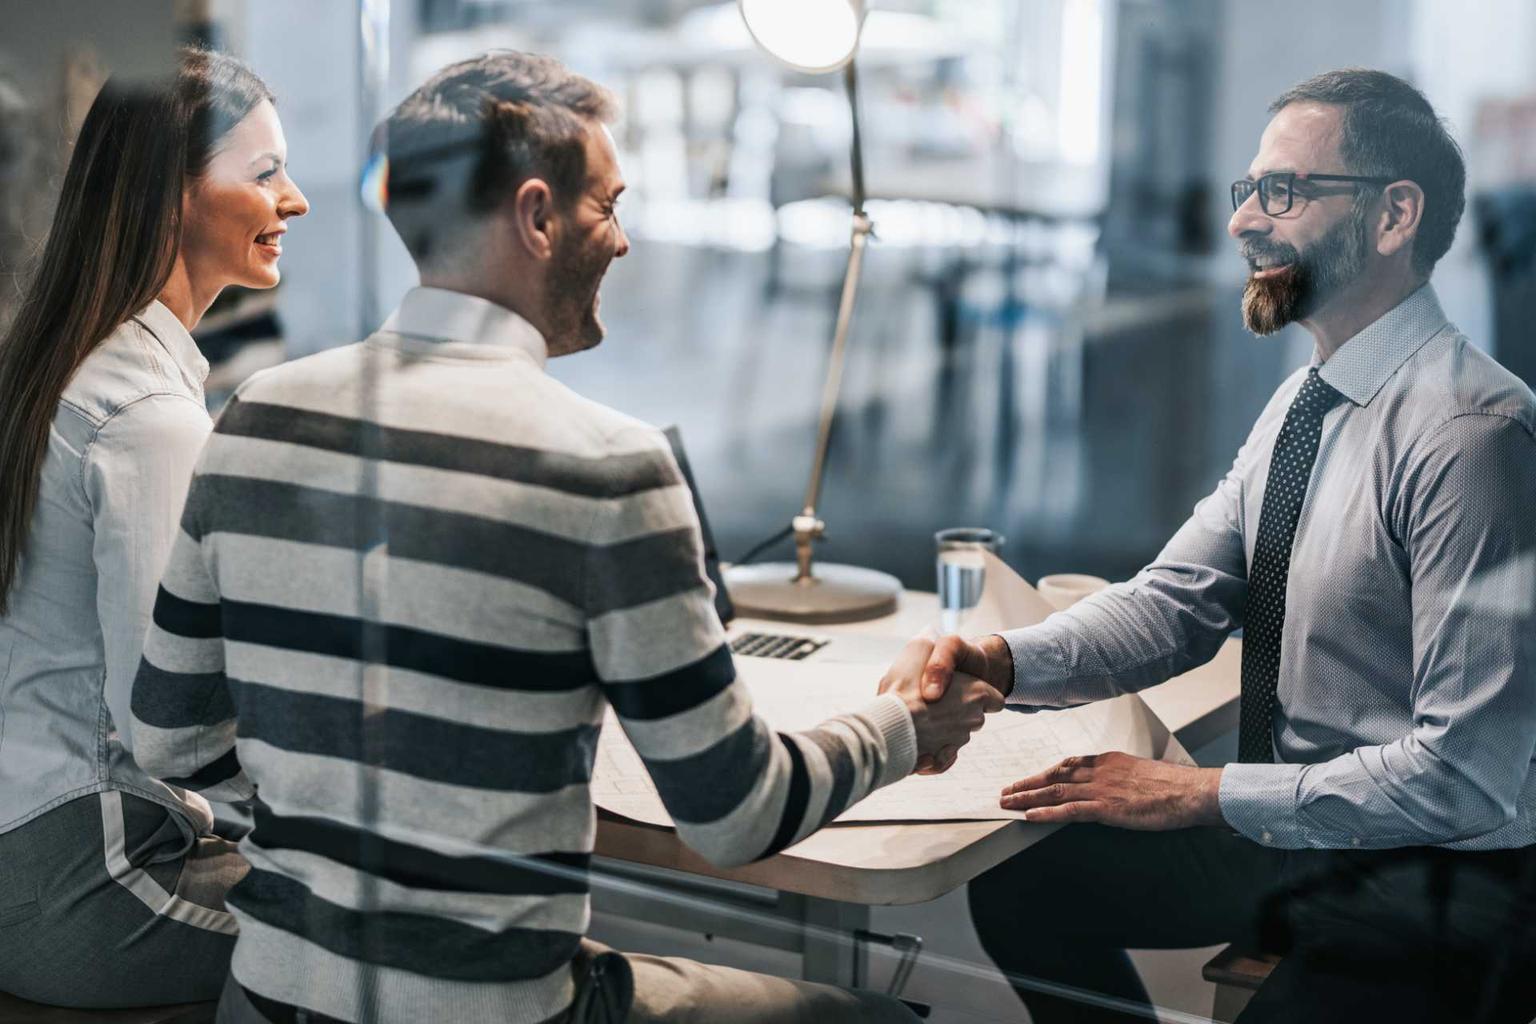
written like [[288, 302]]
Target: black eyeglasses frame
[[1265, 187]]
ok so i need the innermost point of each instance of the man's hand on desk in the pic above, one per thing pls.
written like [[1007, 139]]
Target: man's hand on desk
[[1114, 789], [945, 724], [1120, 790]]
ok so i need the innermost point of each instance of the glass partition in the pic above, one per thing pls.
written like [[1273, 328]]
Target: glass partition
[[468, 614]]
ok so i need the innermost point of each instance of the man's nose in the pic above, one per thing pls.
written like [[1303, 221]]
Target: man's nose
[[1249, 218], [623, 248]]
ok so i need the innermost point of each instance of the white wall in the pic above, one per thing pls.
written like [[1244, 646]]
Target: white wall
[[1265, 50], [1459, 60], [1457, 53], [308, 52]]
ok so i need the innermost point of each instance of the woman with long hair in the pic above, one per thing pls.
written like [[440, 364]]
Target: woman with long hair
[[111, 883]]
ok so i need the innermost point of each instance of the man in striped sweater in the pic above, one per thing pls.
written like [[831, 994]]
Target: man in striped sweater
[[411, 575]]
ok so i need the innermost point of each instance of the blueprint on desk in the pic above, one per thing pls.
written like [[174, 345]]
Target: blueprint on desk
[[794, 695]]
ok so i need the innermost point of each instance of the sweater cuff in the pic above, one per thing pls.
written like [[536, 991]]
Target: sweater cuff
[[889, 715], [1259, 800]]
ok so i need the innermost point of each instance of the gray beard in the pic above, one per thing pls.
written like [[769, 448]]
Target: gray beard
[[1316, 275]]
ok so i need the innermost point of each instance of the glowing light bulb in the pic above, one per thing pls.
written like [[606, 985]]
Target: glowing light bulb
[[810, 35]]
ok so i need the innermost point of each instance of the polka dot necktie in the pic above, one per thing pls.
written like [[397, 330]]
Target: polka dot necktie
[[1290, 470]]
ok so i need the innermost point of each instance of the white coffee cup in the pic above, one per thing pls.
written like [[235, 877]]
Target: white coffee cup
[[1063, 590]]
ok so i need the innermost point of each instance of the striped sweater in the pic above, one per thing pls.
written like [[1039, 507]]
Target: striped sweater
[[410, 575]]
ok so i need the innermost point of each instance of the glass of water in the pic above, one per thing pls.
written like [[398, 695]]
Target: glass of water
[[962, 571]]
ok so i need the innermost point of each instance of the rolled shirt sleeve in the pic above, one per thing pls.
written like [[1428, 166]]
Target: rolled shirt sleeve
[[1464, 512]]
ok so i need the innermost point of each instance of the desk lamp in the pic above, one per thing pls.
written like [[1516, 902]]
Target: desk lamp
[[816, 37]]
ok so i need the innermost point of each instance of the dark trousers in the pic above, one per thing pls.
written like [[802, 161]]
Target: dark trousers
[[104, 902], [1415, 934]]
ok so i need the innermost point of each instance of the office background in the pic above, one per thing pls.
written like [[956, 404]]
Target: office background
[[1047, 341]]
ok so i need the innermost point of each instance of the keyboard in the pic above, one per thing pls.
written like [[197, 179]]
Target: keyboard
[[777, 645]]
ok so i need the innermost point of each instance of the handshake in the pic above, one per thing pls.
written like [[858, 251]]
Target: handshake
[[950, 685]]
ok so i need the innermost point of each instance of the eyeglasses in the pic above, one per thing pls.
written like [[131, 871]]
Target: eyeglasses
[[1278, 190]]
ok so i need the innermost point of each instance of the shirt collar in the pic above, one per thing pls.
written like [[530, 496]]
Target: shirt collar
[[168, 329], [1364, 364], [438, 314]]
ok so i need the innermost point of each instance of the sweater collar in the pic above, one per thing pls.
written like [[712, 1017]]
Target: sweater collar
[[437, 314]]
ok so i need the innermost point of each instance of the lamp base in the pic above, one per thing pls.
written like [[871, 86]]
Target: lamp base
[[835, 593]]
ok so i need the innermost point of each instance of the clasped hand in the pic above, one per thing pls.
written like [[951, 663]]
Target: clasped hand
[[1111, 788], [944, 722]]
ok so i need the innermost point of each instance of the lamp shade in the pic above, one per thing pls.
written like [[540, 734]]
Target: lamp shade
[[813, 36]]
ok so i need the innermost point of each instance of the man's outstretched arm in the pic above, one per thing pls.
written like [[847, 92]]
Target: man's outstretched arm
[[1461, 770], [737, 789], [1174, 615], [183, 712]]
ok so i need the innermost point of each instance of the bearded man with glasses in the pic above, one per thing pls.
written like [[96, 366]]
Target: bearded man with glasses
[[1375, 539]]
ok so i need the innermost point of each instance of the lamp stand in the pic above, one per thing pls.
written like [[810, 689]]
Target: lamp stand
[[827, 593]]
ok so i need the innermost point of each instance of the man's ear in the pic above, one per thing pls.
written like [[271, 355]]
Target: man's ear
[[1401, 213], [533, 218]]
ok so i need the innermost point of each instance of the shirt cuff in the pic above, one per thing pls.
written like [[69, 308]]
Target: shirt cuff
[[889, 715], [1259, 800], [1040, 671]]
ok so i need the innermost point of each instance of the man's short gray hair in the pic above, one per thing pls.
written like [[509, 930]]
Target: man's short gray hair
[[1391, 131]]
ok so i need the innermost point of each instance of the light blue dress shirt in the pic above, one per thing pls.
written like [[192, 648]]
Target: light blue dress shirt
[[1407, 687], [125, 437]]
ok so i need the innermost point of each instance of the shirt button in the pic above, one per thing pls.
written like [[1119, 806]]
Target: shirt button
[[1355, 841], [1267, 837]]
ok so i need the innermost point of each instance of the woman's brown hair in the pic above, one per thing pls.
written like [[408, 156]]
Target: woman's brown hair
[[110, 251]]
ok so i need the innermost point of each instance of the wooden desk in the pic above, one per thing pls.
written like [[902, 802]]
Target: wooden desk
[[822, 888]]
